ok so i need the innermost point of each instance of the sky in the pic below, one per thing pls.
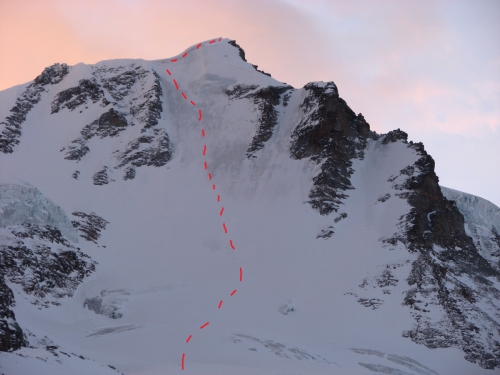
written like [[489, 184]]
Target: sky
[[430, 68]]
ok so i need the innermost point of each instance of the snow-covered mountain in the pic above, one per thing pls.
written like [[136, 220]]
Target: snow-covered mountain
[[194, 215]]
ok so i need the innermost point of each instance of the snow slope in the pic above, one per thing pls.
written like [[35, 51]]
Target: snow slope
[[309, 301]]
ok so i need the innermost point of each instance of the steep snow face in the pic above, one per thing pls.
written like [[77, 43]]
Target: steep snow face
[[189, 157], [482, 223]]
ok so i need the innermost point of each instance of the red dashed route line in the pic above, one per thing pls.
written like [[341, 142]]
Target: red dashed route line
[[210, 177]]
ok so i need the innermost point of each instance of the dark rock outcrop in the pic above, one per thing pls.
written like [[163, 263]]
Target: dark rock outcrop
[[119, 81], [240, 91], [154, 150], [89, 225], [76, 96], [109, 124], [332, 134], [43, 262], [266, 100], [11, 132], [11, 335], [77, 150], [240, 50], [242, 55], [129, 173], [102, 177], [148, 110], [52, 75], [38, 253]]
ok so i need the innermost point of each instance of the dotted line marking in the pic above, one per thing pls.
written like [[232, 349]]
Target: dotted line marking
[[210, 177]]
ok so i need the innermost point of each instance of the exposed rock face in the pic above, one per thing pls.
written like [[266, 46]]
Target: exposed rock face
[[448, 265], [44, 263], [265, 100], [129, 173], [11, 127], [109, 124], [240, 50], [154, 150], [47, 267], [102, 177], [89, 225], [37, 252], [77, 149], [11, 335], [76, 96], [242, 55], [329, 133]]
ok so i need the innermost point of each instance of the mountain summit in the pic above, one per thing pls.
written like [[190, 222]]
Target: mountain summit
[[195, 215]]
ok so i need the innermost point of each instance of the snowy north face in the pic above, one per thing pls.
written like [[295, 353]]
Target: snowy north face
[[193, 215]]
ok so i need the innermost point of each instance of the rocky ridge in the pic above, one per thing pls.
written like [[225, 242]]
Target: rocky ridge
[[11, 127], [449, 276], [330, 134]]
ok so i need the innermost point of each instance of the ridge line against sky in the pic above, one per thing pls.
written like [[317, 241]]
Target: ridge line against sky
[[430, 68]]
